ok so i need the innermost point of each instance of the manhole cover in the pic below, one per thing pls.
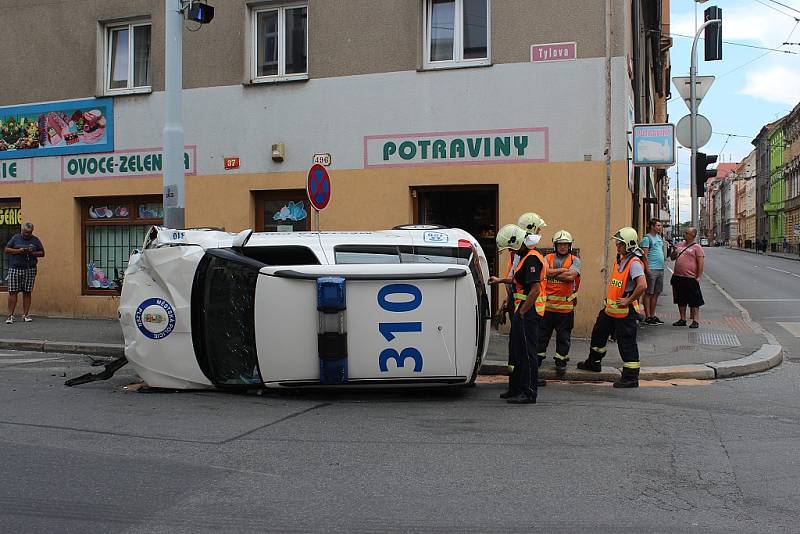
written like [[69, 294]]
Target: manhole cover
[[715, 338]]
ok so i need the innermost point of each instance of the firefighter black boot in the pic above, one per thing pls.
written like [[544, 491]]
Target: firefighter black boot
[[592, 363], [511, 391], [629, 379], [561, 365]]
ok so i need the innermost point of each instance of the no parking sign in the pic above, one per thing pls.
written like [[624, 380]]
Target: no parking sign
[[318, 187]]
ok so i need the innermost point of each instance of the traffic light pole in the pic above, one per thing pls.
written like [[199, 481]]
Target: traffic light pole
[[693, 118]]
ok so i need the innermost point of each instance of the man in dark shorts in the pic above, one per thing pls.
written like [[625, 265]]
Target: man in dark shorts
[[689, 263], [23, 250]]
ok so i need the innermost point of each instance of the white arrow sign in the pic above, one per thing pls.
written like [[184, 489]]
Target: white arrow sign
[[684, 86]]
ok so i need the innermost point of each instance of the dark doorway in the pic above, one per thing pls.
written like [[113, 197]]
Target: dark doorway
[[471, 208]]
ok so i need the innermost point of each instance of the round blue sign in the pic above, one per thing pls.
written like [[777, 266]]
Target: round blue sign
[[155, 318]]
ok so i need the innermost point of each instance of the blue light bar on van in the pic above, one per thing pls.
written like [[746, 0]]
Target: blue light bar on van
[[331, 295], [332, 331]]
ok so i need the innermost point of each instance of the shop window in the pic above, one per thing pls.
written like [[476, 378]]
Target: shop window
[[10, 225], [457, 33], [112, 228], [280, 43], [283, 211], [127, 58]]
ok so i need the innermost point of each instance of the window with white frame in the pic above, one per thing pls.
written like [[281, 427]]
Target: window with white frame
[[127, 57], [280, 42], [456, 33]]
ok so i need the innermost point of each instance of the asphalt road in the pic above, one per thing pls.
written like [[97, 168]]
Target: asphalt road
[[766, 286], [718, 457]]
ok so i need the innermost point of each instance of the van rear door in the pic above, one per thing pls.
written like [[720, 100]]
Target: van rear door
[[401, 322]]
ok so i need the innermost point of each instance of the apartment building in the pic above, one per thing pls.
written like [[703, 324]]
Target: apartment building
[[791, 173], [465, 113], [745, 176]]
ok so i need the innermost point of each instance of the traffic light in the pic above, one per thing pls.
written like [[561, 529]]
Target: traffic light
[[713, 34], [702, 174], [202, 13]]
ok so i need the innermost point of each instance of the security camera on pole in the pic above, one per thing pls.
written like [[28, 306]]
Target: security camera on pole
[[713, 42]]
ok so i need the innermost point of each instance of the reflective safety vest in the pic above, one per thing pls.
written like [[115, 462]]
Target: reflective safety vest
[[616, 288], [561, 296], [519, 290]]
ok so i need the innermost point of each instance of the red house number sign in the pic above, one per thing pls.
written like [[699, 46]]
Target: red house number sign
[[231, 163]]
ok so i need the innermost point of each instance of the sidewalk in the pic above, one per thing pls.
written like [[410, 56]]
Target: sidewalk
[[714, 350], [726, 344], [795, 257]]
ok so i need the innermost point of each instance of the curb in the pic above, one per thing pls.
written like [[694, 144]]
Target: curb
[[768, 356], [66, 347], [770, 254]]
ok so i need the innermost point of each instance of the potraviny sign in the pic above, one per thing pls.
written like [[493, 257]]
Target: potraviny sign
[[123, 164], [654, 145], [514, 145]]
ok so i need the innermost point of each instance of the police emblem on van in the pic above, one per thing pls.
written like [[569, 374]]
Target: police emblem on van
[[155, 318]]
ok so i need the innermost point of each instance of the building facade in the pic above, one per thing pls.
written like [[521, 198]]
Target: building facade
[[762, 149], [777, 188], [745, 176], [791, 158], [465, 113]]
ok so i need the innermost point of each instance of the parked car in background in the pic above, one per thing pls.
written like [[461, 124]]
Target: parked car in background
[[703, 242]]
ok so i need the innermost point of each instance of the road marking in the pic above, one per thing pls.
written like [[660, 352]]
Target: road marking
[[767, 300], [782, 271], [783, 317], [792, 328]]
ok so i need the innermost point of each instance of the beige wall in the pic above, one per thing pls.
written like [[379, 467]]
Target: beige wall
[[345, 38]]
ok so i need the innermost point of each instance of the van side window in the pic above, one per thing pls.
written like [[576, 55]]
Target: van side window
[[382, 254], [366, 254], [282, 255]]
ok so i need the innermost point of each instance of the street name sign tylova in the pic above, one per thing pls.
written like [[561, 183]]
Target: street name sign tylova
[[684, 87]]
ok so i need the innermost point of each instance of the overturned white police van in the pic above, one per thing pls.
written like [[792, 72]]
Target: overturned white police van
[[206, 308]]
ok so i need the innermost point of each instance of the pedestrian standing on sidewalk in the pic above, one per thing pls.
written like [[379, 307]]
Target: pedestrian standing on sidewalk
[[689, 263], [23, 251], [653, 246], [563, 281], [626, 285]]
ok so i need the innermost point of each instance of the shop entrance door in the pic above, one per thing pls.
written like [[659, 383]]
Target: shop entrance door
[[471, 208]]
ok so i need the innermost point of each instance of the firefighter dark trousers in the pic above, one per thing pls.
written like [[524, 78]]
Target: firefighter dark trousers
[[524, 334], [562, 323], [625, 331]]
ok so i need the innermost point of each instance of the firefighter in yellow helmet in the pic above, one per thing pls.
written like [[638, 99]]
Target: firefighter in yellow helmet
[[529, 279], [626, 285], [563, 281]]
